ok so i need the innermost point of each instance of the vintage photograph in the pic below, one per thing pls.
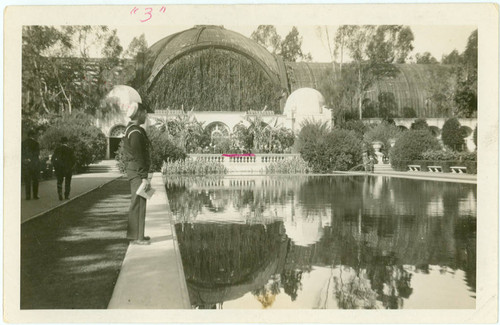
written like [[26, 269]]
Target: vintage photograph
[[252, 165]]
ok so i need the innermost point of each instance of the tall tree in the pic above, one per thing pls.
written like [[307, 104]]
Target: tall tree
[[267, 36], [453, 58], [373, 49], [137, 45], [58, 71], [291, 47], [425, 58]]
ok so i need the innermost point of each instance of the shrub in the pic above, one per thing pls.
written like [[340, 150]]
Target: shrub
[[295, 165], [411, 145], [355, 125], [419, 124], [87, 140], [162, 148], [440, 155], [452, 135], [326, 150], [192, 167]]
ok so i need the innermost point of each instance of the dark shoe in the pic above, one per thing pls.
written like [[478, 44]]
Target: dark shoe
[[147, 238], [66, 197], [60, 197], [140, 242]]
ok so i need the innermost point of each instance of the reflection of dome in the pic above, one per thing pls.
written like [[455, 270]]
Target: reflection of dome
[[305, 101], [305, 231]]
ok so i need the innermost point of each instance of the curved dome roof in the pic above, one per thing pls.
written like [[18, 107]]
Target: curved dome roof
[[304, 101], [200, 37]]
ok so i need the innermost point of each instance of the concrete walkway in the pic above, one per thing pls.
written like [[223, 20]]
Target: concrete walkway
[[80, 185], [152, 276]]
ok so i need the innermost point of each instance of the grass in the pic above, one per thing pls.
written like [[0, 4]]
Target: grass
[[71, 256]]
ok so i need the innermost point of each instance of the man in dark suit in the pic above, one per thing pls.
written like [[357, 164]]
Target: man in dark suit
[[30, 150], [63, 161]]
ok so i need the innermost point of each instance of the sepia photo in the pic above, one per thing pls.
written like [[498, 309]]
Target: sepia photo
[[270, 163]]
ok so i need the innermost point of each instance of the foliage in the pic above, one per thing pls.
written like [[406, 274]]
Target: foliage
[[296, 165], [437, 155], [214, 80], [58, 73], [162, 148], [373, 50], [464, 92], [355, 125], [425, 58], [452, 136], [137, 45], [411, 145], [453, 58], [383, 132], [267, 36], [340, 91], [291, 47], [409, 112], [192, 167], [327, 150], [87, 141], [440, 155], [441, 88], [419, 124], [386, 105]]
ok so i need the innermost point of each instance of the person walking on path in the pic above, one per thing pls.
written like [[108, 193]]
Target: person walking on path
[[136, 149], [30, 151], [63, 161]]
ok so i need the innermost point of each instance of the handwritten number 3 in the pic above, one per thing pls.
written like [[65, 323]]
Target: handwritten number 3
[[148, 13]]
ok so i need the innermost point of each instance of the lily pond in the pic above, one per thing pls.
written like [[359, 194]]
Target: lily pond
[[325, 242]]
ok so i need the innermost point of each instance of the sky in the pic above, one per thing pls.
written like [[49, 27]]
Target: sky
[[436, 39]]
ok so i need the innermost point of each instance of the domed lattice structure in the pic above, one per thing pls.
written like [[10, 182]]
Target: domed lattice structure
[[209, 68]]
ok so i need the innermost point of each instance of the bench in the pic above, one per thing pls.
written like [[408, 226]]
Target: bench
[[435, 169], [414, 168], [458, 169]]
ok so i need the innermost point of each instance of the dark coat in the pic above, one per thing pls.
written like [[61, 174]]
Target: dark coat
[[30, 153], [136, 150], [63, 159]]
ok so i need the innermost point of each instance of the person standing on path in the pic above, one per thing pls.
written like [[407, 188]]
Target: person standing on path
[[136, 153], [63, 161], [30, 151]]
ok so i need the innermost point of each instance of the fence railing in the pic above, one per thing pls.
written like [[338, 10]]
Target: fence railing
[[264, 158]]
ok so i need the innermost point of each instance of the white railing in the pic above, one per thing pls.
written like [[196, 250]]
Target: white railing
[[260, 158]]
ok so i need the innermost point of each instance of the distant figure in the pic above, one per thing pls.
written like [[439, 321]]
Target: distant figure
[[31, 164], [372, 164], [63, 161]]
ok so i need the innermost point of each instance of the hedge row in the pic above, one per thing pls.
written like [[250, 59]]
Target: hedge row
[[471, 165]]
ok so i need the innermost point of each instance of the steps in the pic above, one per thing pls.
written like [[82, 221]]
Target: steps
[[104, 166]]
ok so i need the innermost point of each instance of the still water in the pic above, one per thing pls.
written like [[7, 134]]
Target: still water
[[326, 242]]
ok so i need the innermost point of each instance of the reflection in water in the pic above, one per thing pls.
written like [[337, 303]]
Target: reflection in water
[[326, 242]]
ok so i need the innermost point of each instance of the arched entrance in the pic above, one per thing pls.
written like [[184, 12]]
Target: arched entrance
[[115, 136]]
